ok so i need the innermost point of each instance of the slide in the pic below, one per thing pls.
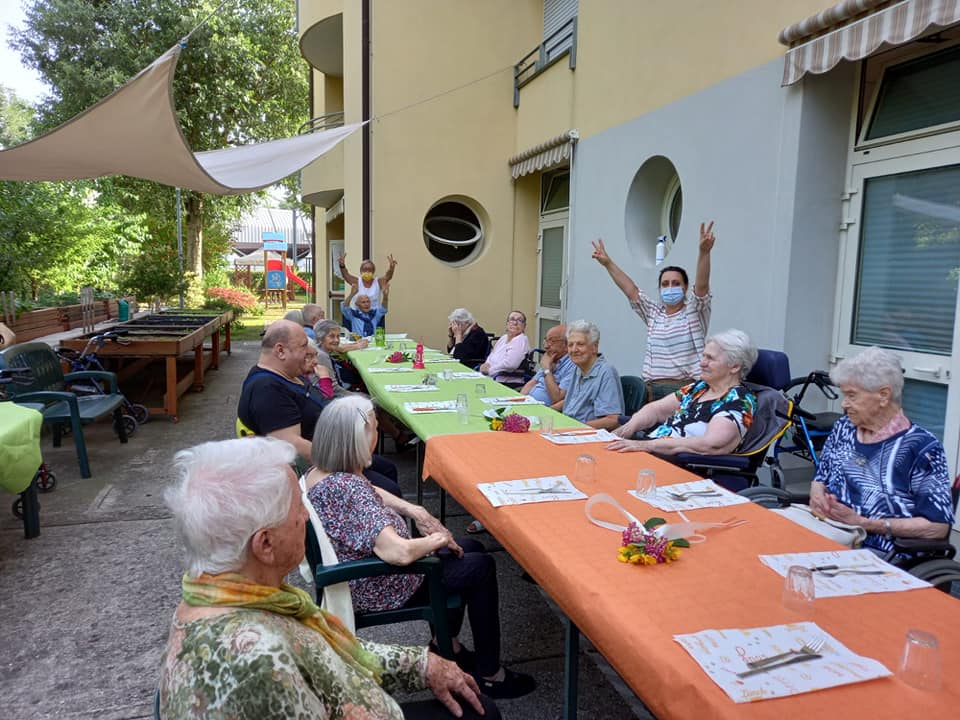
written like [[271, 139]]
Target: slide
[[298, 280]]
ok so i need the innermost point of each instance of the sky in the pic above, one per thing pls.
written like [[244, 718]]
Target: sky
[[25, 82]]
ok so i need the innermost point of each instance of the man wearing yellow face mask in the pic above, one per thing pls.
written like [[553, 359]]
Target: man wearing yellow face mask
[[368, 283]]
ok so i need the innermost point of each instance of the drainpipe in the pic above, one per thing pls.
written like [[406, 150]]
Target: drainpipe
[[365, 91]]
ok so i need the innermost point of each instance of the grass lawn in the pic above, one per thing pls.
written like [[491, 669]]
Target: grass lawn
[[253, 325]]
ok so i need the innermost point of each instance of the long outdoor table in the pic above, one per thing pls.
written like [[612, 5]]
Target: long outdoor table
[[428, 425], [631, 613]]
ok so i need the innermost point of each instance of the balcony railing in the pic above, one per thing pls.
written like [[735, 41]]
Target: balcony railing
[[322, 122], [561, 42]]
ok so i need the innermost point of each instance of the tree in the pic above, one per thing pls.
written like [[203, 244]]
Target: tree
[[239, 80], [15, 117]]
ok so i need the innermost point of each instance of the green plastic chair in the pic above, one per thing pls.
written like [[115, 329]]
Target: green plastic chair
[[634, 393]]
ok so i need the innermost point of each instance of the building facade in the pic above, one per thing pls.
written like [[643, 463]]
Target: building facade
[[505, 135]]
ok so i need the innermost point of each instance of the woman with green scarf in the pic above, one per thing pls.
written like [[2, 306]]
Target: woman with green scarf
[[243, 643]]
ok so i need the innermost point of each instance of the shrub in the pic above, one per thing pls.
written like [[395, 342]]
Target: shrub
[[237, 299]]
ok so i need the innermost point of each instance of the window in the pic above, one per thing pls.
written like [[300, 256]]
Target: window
[[917, 94], [452, 232], [909, 261], [555, 192], [654, 207], [672, 210]]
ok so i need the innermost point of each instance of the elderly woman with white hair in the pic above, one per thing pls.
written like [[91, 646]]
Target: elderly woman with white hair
[[467, 341], [362, 523], [707, 417], [878, 469], [595, 396], [246, 645]]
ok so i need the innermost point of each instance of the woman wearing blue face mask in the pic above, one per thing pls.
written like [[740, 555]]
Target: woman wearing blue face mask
[[676, 325]]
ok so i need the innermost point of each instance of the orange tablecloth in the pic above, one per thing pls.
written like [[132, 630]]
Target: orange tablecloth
[[631, 613]]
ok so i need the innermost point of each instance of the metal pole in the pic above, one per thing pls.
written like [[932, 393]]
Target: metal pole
[[180, 247], [293, 239]]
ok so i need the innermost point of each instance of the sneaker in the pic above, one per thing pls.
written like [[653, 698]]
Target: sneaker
[[513, 685], [465, 659]]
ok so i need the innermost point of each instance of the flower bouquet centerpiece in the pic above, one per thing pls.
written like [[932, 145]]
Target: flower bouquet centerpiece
[[642, 546], [511, 422], [398, 357]]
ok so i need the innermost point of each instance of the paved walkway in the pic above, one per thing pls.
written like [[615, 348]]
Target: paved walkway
[[84, 608]]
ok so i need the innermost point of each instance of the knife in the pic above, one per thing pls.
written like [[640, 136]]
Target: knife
[[774, 666]]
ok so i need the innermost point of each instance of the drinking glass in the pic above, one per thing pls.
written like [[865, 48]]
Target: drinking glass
[[534, 421], [463, 409], [920, 664], [584, 473], [798, 589], [546, 424], [480, 389], [646, 483]]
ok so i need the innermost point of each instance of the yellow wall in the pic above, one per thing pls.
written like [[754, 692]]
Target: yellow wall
[[632, 57]]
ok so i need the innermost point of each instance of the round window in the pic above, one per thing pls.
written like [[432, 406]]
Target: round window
[[452, 232], [654, 209]]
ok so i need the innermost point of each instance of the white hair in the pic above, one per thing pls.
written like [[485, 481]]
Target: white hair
[[584, 327], [738, 349], [872, 369], [341, 438], [461, 315], [224, 492]]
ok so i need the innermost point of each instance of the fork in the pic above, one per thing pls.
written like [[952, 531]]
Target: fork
[[810, 647], [852, 571], [681, 496], [553, 489]]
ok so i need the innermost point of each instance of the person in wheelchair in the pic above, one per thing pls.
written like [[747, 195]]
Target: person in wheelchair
[[707, 417], [879, 470]]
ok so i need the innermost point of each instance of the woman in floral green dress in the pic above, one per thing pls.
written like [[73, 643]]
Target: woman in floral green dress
[[244, 644]]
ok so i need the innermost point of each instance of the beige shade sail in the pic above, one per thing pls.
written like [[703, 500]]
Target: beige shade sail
[[855, 29], [134, 131]]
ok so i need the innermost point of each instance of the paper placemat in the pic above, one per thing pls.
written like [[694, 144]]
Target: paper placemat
[[435, 406], [511, 400], [552, 488], [395, 336], [578, 437], [438, 359], [724, 653], [410, 388], [663, 501], [389, 369], [470, 375], [893, 579]]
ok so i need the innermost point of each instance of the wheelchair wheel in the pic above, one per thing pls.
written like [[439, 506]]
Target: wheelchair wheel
[[944, 575], [129, 424], [18, 508], [139, 412], [46, 480]]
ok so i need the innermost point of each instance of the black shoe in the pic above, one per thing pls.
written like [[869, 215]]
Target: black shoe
[[513, 685], [465, 659]]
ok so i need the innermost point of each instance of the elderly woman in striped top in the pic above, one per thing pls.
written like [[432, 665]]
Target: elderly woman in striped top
[[676, 325]]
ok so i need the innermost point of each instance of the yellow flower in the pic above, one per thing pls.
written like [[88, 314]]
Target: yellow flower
[[496, 424]]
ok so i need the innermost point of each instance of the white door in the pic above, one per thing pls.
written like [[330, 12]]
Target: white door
[[551, 272], [900, 265]]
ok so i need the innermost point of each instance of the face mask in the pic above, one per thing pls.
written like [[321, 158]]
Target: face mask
[[671, 295], [367, 275]]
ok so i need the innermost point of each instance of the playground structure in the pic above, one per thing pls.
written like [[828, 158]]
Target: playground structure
[[279, 272]]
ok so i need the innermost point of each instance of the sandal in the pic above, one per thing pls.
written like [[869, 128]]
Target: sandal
[[513, 685], [475, 527]]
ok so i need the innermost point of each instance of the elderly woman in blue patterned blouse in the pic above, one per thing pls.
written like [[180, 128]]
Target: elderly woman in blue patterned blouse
[[878, 470], [363, 522]]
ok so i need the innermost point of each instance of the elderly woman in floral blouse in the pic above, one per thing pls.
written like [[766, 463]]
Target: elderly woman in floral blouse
[[245, 645], [362, 521]]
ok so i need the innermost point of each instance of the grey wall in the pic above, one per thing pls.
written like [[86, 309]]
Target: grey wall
[[768, 165]]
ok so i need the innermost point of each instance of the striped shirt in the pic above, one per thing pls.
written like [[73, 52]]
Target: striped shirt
[[674, 342]]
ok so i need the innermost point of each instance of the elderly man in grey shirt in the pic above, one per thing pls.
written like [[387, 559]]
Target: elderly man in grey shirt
[[595, 396]]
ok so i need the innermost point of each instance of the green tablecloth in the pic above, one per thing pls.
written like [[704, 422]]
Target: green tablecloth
[[19, 446], [426, 425]]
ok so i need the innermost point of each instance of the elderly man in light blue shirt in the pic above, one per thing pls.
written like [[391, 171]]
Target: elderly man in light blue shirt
[[552, 380], [595, 396]]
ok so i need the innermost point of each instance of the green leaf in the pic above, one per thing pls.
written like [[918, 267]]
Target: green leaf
[[654, 522], [680, 542]]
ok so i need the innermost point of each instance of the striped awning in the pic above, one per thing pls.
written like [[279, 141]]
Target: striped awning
[[544, 156], [855, 29]]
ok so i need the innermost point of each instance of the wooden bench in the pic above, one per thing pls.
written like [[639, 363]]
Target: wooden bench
[[59, 406]]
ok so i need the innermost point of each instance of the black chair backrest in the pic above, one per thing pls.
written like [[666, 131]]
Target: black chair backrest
[[772, 369], [43, 362], [771, 417], [634, 393]]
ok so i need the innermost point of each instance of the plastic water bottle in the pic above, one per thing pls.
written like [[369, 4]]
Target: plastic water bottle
[[379, 337], [418, 357], [661, 248]]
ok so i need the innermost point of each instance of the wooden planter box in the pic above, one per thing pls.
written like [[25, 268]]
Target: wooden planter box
[[47, 321]]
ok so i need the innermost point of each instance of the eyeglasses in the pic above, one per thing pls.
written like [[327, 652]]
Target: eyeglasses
[[516, 319]]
